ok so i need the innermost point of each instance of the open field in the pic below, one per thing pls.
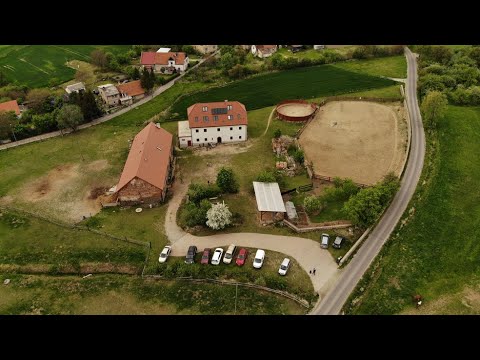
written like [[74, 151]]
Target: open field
[[120, 294], [359, 140], [37, 245], [391, 66], [269, 89], [436, 253], [45, 65]]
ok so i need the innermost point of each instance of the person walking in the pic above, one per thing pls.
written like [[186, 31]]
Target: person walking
[[310, 272], [314, 271]]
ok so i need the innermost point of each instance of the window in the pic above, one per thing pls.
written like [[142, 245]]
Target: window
[[205, 108], [231, 137], [218, 129], [198, 140], [230, 117], [204, 130], [196, 130], [240, 137], [239, 128], [231, 128], [205, 118], [196, 118], [229, 107], [206, 139], [215, 118]]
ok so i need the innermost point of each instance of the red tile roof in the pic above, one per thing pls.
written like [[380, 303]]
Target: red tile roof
[[10, 106], [148, 158], [266, 48], [132, 88], [196, 114], [154, 58]]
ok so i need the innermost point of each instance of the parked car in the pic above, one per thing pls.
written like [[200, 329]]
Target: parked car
[[242, 256], [205, 256], [217, 256], [227, 259], [190, 257], [337, 244], [258, 260], [284, 266], [164, 254], [325, 241]]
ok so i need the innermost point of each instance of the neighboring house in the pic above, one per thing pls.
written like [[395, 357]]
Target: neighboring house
[[319, 47], [164, 50], [148, 170], [205, 49], [295, 48], [165, 63], [264, 51], [214, 123], [109, 94], [130, 92], [10, 106], [245, 47], [78, 87]]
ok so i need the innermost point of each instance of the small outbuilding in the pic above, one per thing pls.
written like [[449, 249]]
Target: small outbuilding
[[291, 211], [269, 201]]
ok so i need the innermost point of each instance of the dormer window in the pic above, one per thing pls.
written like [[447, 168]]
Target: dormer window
[[229, 107], [205, 108], [230, 117]]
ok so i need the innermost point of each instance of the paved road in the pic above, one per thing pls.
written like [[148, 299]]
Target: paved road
[[105, 118], [333, 302]]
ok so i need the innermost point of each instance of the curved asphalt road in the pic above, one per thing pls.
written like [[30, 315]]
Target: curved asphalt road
[[333, 302]]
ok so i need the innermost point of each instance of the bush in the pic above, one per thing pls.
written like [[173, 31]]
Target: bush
[[197, 192], [299, 156], [219, 216], [312, 204], [271, 176], [277, 133], [226, 181], [193, 215]]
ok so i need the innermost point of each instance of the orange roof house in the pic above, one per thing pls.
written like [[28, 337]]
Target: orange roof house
[[132, 88], [168, 61], [10, 106], [147, 170], [222, 113]]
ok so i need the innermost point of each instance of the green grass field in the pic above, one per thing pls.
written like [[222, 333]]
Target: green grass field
[[436, 254], [269, 89], [128, 295], [44, 65], [391, 66]]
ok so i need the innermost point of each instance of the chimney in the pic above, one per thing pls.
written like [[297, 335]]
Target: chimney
[[226, 100], [158, 125]]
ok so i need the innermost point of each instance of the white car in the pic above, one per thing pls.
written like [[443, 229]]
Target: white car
[[284, 266], [258, 260], [164, 254], [217, 256], [227, 259]]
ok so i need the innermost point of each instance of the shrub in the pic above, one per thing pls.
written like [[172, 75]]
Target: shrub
[[226, 181], [277, 133], [219, 216], [299, 156], [197, 192], [312, 204], [193, 214]]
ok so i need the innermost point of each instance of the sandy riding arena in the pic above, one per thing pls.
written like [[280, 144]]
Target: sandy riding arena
[[356, 139], [295, 110]]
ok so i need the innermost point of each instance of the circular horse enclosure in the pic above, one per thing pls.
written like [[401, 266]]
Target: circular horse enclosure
[[295, 110]]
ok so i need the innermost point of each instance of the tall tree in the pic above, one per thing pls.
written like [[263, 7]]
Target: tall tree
[[433, 108], [69, 117], [7, 120], [99, 58], [146, 80], [136, 73], [89, 106], [39, 100], [3, 79]]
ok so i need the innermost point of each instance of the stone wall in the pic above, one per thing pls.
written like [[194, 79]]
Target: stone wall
[[138, 191]]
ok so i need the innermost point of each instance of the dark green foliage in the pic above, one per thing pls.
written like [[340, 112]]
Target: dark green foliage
[[192, 214], [277, 133], [147, 80], [197, 192], [227, 181], [7, 121], [299, 156]]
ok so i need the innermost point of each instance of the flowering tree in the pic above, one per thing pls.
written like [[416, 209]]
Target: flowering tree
[[219, 216]]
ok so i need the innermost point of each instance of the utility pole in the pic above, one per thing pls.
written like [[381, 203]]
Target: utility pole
[[236, 293]]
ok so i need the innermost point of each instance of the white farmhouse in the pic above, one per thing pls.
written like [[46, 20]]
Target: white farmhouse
[[213, 123]]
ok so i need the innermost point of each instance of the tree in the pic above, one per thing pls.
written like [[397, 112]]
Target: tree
[[39, 100], [474, 54], [227, 61], [433, 108], [89, 106], [312, 204], [135, 73], [7, 120], [69, 116], [219, 216], [99, 58], [226, 180], [146, 80], [364, 207], [277, 133], [299, 156], [44, 122], [3, 79]]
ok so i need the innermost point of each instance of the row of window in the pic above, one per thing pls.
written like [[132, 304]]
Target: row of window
[[215, 117], [218, 129], [231, 138], [205, 108]]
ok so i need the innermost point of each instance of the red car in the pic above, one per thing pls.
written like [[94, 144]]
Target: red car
[[242, 256], [205, 256]]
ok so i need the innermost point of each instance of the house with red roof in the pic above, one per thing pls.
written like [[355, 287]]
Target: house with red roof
[[130, 92], [10, 106], [263, 51], [148, 170], [213, 123], [164, 62]]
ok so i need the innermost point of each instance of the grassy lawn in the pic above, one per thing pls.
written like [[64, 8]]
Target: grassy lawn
[[29, 241], [269, 89], [117, 294], [37, 65], [296, 281], [392, 66], [436, 254]]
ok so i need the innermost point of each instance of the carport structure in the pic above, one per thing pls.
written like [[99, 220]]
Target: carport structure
[[269, 201]]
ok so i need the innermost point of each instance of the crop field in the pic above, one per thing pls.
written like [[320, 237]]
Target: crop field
[[44, 65], [266, 90]]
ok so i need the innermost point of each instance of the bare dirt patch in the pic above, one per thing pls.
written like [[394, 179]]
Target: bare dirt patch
[[97, 165], [6, 200], [356, 139], [97, 192], [223, 149]]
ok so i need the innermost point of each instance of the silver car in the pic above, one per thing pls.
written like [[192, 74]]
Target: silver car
[[164, 254]]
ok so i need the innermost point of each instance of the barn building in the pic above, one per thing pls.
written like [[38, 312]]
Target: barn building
[[213, 123], [149, 168]]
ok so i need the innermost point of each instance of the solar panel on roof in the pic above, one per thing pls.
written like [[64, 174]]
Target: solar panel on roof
[[217, 111]]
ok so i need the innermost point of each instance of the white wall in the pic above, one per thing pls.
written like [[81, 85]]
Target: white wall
[[183, 141], [212, 134]]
